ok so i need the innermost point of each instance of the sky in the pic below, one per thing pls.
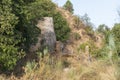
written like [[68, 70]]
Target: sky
[[99, 11]]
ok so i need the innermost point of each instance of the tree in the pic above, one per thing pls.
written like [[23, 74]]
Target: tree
[[62, 29], [105, 30], [86, 20], [68, 6], [88, 25], [10, 52], [102, 28]]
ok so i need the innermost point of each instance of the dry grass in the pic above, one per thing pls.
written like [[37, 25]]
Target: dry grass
[[55, 69]]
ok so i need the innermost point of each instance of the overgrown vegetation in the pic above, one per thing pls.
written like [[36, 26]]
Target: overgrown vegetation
[[18, 31], [61, 26], [88, 25], [104, 30], [116, 33], [76, 36]]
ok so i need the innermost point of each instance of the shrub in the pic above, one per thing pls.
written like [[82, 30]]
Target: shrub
[[77, 22], [31, 35], [30, 66], [116, 33], [100, 53], [82, 47], [108, 51], [105, 31], [62, 29], [76, 36], [92, 48]]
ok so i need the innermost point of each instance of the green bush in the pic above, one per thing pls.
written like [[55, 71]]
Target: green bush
[[31, 35], [30, 66], [77, 22], [38, 10], [62, 29], [105, 30], [76, 36], [89, 43], [10, 38], [92, 48], [82, 47], [100, 53], [108, 51], [116, 33]]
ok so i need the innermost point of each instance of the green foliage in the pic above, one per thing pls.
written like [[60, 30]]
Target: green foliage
[[88, 25], [105, 31], [77, 22], [30, 66], [10, 52], [39, 9], [82, 47], [102, 28], [89, 31], [116, 33], [62, 29], [68, 6], [86, 20], [108, 51], [76, 36], [101, 53], [31, 34], [91, 45], [42, 54], [111, 44]]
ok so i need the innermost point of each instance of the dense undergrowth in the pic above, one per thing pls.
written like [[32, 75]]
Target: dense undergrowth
[[54, 68]]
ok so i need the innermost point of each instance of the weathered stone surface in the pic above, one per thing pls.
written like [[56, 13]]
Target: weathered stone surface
[[48, 37], [63, 49]]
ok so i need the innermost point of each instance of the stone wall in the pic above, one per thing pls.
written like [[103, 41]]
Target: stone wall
[[48, 37]]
